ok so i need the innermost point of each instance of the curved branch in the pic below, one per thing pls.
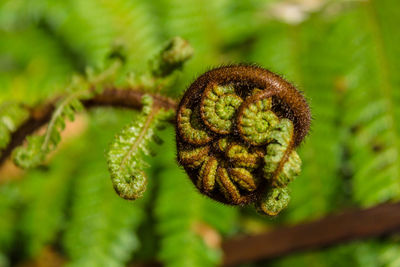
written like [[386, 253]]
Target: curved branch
[[128, 98], [334, 229]]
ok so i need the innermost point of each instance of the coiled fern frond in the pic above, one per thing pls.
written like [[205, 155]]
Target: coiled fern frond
[[125, 155]]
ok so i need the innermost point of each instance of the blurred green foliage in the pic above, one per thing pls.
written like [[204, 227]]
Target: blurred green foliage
[[343, 54]]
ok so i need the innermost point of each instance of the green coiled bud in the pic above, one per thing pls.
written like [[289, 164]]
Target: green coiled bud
[[218, 107], [237, 130], [240, 156], [256, 120], [191, 127]]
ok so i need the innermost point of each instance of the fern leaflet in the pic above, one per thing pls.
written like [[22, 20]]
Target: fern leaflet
[[40, 145]]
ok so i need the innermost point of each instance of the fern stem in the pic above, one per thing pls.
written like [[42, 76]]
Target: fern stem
[[139, 140], [127, 98], [57, 113]]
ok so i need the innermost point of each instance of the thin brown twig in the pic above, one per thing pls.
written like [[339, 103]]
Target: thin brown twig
[[333, 229], [128, 98]]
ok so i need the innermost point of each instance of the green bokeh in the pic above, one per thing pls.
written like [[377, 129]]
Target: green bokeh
[[344, 56]]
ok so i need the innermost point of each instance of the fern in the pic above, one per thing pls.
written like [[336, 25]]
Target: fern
[[130, 145], [233, 12], [133, 26], [311, 42], [201, 25], [374, 132], [355, 75], [387, 18], [11, 116], [101, 228], [105, 220], [49, 206], [39, 146], [344, 57], [90, 27], [35, 71], [79, 89], [373, 138]]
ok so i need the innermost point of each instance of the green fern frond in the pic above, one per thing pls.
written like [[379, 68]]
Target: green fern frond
[[314, 40], [100, 230], [171, 57], [125, 155], [45, 195], [33, 72], [79, 89], [101, 227], [354, 76], [11, 116], [132, 25], [371, 120], [275, 49], [91, 27], [39, 146], [201, 25], [388, 18]]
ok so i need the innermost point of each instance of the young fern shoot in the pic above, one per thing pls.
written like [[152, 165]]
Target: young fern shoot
[[40, 145], [237, 130], [172, 57], [125, 155]]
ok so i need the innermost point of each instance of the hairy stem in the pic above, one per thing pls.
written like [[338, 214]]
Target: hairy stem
[[127, 98]]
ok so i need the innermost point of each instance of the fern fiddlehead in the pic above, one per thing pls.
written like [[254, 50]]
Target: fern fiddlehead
[[237, 130], [125, 161]]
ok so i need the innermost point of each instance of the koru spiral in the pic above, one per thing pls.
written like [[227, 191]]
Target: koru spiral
[[237, 131]]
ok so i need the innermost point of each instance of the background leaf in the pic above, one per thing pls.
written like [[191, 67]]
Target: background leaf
[[342, 54]]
